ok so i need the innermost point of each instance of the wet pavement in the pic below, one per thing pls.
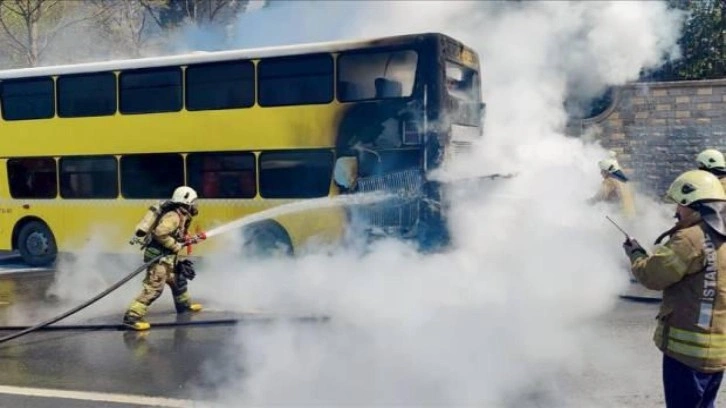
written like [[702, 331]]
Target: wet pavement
[[171, 363], [184, 366], [163, 362], [46, 402], [174, 367]]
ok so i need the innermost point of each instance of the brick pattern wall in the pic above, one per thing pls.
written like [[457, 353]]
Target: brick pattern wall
[[657, 129]]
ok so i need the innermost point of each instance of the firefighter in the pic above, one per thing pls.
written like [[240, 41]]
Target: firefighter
[[690, 269], [713, 161], [168, 237], [615, 187]]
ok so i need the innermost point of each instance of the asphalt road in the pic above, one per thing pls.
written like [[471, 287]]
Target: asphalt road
[[166, 366], [161, 367], [170, 367]]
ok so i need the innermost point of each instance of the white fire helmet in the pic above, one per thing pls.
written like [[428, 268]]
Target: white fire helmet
[[184, 195], [609, 165], [711, 159], [695, 185]]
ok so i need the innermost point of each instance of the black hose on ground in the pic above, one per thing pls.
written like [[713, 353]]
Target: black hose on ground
[[81, 306], [229, 321]]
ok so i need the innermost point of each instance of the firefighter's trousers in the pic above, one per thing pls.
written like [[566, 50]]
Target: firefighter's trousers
[[685, 387], [157, 275]]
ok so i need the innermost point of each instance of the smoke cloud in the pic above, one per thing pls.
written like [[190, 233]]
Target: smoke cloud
[[507, 315], [505, 318]]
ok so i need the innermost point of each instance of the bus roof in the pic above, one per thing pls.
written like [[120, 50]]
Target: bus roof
[[209, 56]]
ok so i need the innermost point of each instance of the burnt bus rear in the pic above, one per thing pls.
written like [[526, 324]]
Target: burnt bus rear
[[413, 103]]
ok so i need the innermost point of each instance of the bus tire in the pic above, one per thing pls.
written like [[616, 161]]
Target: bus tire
[[266, 240], [36, 244]]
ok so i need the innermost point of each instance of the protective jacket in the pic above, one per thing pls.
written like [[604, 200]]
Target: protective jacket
[[615, 191], [168, 236], [690, 269]]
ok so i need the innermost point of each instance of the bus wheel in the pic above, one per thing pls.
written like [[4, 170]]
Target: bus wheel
[[36, 244], [266, 241]]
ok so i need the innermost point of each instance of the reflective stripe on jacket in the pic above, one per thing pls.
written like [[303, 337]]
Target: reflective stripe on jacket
[[690, 269]]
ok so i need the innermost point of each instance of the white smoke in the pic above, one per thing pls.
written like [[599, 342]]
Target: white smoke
[[504, 317], [500, 318]]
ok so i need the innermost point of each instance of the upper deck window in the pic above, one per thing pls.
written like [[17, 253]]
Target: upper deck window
[[300, 80], [27, 98], [87, 95], [225, 85], [376, 75], [462, 84], [151, 90]]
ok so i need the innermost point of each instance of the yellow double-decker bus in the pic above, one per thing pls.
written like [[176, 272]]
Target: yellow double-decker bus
[[87, 148]]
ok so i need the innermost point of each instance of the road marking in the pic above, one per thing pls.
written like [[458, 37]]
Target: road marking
[[97, 396]]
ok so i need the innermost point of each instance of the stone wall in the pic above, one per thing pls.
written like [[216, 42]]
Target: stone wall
[[657, 129]]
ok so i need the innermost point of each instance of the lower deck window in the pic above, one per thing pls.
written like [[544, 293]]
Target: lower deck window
[[151, 175], [89, 177], [296, 174], [34, 177], [222, 175]]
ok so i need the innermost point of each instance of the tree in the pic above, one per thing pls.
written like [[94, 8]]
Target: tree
[[703, 43], [199, 12], [128, 25], [31, 26]]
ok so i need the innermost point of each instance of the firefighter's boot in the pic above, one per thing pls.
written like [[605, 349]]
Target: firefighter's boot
[[134, 317], [183, 304]]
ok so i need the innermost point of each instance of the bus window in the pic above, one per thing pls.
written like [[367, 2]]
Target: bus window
[[224, 85], [462, 84], [151, 90], [295, 174], [151, 175], [87, 95], [378, 75], [89, 177], [30, 98], [32, 177], [300, 80], [222, 175]]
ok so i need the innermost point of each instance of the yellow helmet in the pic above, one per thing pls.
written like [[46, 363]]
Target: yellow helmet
[[609, 165], [695, 185], [711, 159]]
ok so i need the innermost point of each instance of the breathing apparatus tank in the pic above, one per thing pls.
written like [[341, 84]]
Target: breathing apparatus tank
[[148, 222]]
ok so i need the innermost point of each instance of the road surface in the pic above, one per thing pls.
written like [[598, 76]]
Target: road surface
[[170, 367]]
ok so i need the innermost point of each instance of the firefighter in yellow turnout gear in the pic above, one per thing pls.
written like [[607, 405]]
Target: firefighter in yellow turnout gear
[[167, 238], [690, 269], [713, 161], [615, 188]]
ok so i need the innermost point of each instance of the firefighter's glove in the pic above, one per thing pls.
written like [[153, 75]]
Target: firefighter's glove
[[185, 268], [176, 248], [633, 249], [191, 240]]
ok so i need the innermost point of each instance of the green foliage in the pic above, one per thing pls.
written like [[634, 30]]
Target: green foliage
[[703, 43]]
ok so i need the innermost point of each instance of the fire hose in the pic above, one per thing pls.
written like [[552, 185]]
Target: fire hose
[[188, 244], [81, 306]]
